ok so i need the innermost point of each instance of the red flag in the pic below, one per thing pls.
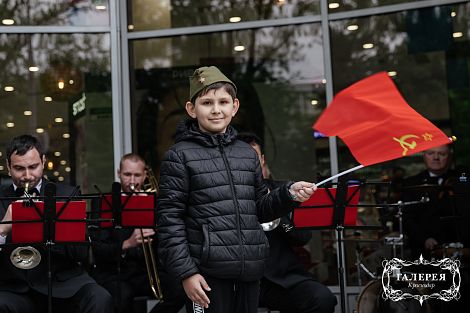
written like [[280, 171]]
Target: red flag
[[376, 123]]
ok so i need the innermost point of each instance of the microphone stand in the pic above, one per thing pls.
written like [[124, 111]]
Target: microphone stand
[[49, 234], [338, 220], [117, 210]]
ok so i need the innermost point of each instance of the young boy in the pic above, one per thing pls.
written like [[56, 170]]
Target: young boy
[[212, 200]]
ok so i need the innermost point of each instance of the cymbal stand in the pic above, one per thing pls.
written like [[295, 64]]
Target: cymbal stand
[[395, 241], [361, 267]]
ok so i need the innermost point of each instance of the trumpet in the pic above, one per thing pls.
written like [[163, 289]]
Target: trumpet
[[150, 261], [27, 257], [268, 226]]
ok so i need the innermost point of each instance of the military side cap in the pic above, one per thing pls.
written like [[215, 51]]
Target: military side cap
[[205, 76]]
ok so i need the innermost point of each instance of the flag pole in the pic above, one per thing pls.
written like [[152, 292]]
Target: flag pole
[[339, 174]]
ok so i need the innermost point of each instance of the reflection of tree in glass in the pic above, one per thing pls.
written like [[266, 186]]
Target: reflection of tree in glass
[[390, 40], [430, 65], [275, 74], [77, 62], [59, 12], [53, 55], [208, 12], [348, 5]]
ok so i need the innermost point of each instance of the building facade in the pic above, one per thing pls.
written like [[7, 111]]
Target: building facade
[[95, 79]]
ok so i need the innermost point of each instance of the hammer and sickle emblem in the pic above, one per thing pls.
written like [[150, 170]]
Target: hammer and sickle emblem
[[406, 145]]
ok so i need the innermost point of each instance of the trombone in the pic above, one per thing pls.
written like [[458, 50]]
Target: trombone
[[150, 261], [25, 258], [151, 266]]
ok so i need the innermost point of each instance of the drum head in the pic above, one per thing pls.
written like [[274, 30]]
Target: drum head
[[368, 299]]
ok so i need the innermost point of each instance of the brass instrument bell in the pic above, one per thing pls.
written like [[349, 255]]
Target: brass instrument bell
[[27, 257]]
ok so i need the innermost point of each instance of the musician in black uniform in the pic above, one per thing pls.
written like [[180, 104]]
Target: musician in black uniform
[[441, 222], [433, 223], [118, 255], [286, 285], [26, 290]]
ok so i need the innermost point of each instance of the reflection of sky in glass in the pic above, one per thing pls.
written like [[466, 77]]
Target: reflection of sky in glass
[[303, 52], [62, 12]]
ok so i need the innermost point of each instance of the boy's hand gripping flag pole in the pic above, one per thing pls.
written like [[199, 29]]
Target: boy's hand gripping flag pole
[[376, 123]]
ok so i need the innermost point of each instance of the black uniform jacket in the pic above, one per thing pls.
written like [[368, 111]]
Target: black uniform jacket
[[68, 276], [211, 202], [284, 267], [435, 218], [111, 262]]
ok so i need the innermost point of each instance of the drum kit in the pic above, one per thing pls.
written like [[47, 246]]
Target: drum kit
[[370, 299]]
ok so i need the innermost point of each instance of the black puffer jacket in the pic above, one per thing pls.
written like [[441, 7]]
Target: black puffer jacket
[[211, 202]]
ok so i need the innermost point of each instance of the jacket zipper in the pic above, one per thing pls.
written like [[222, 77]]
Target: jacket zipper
[[237, 209]]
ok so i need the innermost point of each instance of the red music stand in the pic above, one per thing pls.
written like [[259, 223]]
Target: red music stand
[[317, 212], [49, 222], [331, 208], [106, 211], [127, 210], [136, 210], [28, 222]]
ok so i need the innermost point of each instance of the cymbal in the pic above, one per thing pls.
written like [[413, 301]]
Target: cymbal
[[423, 187]]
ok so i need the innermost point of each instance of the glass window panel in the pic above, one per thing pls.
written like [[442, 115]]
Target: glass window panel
[[280, 79], [63, 96], [59, 12], [348, 5], [150, 14], [427, 54], [279, 76]]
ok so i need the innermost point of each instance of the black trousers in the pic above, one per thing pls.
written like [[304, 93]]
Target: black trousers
[[91, 298], [228, 296], [308, 296]]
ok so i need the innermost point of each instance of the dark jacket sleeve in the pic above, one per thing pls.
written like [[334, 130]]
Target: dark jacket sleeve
[[274, 204], [107, 245], [171, 212], [296, 237]]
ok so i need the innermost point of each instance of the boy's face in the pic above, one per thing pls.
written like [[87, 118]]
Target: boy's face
[[214, 111]]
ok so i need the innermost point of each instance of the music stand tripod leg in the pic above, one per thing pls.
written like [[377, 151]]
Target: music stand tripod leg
[[49, 214], [341, 270], [338, 221]]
